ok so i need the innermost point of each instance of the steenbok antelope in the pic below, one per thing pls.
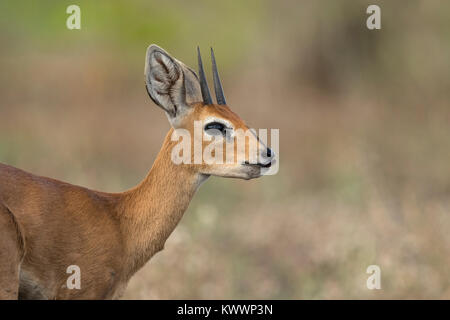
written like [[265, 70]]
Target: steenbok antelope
[[47, 225]]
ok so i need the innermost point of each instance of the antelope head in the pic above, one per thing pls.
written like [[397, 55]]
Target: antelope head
[[187, 102]]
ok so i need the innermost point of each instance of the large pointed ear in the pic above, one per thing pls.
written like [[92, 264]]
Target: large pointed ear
[[170, 83]]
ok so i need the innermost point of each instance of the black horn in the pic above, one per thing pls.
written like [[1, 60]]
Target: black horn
[[220, 97], [203, 84]]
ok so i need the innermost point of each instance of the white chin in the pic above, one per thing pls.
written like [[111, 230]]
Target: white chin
[[243, 172], [248, 172]]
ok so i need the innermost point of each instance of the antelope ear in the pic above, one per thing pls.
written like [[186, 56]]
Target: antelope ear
[[172, 85]]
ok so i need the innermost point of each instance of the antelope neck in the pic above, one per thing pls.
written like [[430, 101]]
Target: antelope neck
[[150, 211]]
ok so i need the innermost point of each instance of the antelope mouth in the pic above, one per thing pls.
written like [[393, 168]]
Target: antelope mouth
[[260, 165]]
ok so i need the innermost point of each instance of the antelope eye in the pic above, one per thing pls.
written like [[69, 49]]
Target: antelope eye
[[215, 128]]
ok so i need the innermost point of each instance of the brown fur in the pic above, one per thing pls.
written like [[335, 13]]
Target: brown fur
[[47, 225]]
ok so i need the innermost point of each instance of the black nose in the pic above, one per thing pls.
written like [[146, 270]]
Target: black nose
[[269, 153]]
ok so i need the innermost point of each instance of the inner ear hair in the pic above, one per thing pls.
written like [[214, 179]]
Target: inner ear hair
[[164, 79]]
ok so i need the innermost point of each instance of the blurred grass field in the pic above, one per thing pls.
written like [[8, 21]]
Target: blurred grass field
[[364, 137]]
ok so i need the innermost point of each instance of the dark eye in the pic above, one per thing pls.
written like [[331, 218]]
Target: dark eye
[[215, 128]]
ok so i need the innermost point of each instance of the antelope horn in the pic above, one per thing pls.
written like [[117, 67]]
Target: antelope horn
[[206, 95], [220, 97]]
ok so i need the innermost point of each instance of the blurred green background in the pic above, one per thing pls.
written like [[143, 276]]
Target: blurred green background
[[364, 136]]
